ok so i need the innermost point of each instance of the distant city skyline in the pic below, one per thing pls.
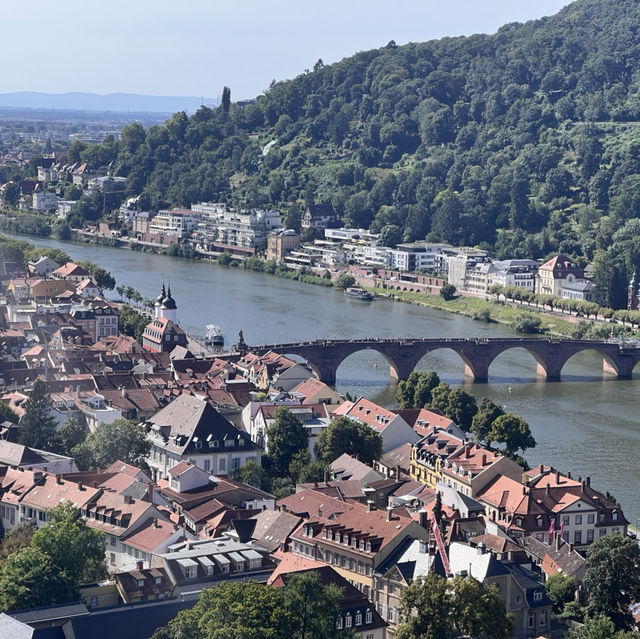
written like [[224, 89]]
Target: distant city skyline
[[196, 47]]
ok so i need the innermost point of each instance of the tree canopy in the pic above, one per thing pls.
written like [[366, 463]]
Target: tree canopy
[[613, 576], [38, 426], [58, 557], [344, 435], [286, 435], [121, 439]]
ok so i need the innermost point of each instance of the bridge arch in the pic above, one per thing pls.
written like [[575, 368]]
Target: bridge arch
[[470, 369], [538, 359], [611, 366]]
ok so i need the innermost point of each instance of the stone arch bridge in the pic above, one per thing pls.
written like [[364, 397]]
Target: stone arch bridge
[[403, 354]]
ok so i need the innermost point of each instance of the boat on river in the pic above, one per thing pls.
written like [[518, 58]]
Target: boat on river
[[358, 293], [213, 335]]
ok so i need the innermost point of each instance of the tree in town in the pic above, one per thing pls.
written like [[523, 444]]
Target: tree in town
[[37, 426], [101, 276], [7, 414], [561, 589], [425, 609], [513, 432], [488, 412], [253, 474], [16, 539], [433, 608], [70, 433], [478, 611], [415, 391], [59, 556], [312, 607], [461, 408], [302, 469], [598, 627], [11, 194], [447, 292], [286, 435], [613, 576], [344, 435], [122, 439], [77, 550]]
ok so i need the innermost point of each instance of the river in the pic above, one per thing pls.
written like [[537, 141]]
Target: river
[[586, 424]]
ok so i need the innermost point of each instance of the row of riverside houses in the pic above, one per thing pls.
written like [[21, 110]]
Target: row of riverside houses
[[211, 228], [186, 524]]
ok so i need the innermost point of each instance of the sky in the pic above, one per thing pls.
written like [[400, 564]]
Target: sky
[[195, 47]]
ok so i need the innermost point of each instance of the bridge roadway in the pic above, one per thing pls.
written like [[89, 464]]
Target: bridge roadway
[[403, 354]]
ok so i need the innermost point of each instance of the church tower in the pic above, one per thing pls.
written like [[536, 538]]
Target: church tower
[[158, 303], [168, 308]]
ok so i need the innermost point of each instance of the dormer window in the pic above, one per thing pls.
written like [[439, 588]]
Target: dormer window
[[614, 515], [369, 616], [140, 583]]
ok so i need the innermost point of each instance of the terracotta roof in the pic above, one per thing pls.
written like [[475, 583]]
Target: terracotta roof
[[370, 413], [51, 491], [152, 534]]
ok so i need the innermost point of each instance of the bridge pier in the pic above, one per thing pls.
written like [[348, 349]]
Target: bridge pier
[[552, 372], [623, 370], [478, 372]]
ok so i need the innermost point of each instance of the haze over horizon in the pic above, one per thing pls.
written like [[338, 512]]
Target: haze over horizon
[[149, 47]]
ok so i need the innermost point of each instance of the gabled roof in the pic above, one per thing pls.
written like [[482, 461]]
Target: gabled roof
[[188, 424]]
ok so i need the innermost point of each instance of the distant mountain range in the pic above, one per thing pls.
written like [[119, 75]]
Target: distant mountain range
[[80, 101]]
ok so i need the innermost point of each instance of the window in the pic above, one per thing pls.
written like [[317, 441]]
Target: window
[[339, 623], [537, 595], [577, 537], [578, 520], [601, 517], [42, 516], [228, 443], [222, 465], [140, 583], [207, 465], [348, 622], [235, 463], [614, 515], [532, 619], [603, 532], [518, 599], [540, 536], [112, 540], [369, 617], [370, 636], [591, 518], [329, 556], [565, 520], [539, 522], [190, 572], [358, 618], [112, 557], [543, 618], [589, 535]]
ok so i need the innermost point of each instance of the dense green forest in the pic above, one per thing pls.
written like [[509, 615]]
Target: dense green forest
[[524, 142]]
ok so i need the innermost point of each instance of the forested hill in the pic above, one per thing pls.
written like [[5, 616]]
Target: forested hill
[[525, 141]]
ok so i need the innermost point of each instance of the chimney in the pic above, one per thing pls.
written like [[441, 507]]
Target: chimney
[[320, 512], [58, 479], [398, 471], [369, 505], [569, 475], [422, 513], [557, 477], [389, 511], [587, 480], [80, 486], [548, 489], [484, 459], [467, 452], [150, 492], [480, 548], [139, 565], [155, 523], [128, 499], [510, 555], [524, 489]]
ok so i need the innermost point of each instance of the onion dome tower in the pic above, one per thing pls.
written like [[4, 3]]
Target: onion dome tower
[[158, 303], [168, 308]]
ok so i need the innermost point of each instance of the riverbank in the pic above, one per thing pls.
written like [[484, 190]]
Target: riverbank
[[524, 317]]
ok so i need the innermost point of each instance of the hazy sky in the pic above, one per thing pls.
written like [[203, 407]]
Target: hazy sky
[[194, 47]]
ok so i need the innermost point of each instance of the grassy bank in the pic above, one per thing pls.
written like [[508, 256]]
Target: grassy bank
[[484, 310]]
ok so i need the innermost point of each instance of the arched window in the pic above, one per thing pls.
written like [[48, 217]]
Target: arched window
[[347, 621], [358, 618], [369, 617]]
